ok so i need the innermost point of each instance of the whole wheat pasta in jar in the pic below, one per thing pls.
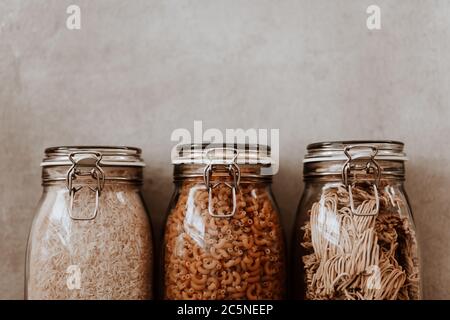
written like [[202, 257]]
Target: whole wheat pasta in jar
[[354, 236], [223, 238], [91, 236]]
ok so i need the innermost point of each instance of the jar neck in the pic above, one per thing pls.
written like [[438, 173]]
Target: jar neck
[[52, 175], [244, 181], [247, 173], [196, 173], [334, 171]]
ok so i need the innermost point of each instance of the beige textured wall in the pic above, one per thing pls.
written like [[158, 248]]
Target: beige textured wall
[[139, 69]]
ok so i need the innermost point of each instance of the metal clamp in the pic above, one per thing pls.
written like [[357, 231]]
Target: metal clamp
[[92, 161], [371, 167], [233, 170]]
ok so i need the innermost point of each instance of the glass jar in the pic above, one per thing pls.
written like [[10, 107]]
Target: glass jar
[[354, 234], [223, 238], [91, 236]]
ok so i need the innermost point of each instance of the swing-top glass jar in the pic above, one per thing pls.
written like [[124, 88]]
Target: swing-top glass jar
[[354, 234], [91, 235], [223, 238]]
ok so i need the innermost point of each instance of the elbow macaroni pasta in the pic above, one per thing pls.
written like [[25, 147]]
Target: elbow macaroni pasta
[[241, 257]]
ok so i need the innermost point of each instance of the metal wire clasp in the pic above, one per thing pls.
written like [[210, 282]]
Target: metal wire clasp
[[233, 170], [371, 167], [91, 162]]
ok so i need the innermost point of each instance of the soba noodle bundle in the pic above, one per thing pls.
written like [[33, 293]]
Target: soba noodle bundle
[[359, 256]]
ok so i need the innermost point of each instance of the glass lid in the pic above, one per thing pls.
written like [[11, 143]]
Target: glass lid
[[108, 155]]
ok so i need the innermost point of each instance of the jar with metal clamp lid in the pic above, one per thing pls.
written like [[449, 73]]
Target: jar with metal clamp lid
[[91, 236], [223, 238], [354, 234]]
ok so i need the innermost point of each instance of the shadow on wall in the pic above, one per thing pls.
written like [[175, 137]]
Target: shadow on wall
[[427, 185]]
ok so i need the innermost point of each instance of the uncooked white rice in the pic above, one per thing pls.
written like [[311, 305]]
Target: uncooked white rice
[[113, 252]]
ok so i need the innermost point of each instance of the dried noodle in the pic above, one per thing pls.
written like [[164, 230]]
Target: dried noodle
[[359, 257]]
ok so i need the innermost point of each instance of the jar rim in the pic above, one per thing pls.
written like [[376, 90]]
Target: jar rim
[[251, 160], [336, 150], [120, 156], [224, 153]]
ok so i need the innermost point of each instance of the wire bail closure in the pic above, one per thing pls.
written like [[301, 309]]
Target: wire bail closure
[[92, 161], [371, 167], [233, 170]]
